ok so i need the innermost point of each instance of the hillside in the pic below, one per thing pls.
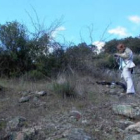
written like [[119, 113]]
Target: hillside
[[34, 111]]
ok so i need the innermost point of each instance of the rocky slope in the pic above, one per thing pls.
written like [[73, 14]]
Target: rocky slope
[[101, 114]]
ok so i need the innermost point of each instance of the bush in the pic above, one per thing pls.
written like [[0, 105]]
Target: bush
[[77, 57], [106, 61], [65, 86], [34, 75]]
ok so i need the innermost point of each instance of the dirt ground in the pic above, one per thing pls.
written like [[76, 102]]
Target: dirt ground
[[95, 107]]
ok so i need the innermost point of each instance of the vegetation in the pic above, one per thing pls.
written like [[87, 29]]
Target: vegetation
[[26, 54], [65, 86], [27, 66]]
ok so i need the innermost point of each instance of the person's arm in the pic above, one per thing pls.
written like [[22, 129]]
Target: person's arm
[[124, 55]]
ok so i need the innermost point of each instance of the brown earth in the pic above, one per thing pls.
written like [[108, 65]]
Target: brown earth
[[95, 107]]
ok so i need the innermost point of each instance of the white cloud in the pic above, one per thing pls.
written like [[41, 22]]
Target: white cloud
[[120, 31], [54, 33], [99, 44], [135, 19]]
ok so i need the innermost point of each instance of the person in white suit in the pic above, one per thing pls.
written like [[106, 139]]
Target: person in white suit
[[126, 64]]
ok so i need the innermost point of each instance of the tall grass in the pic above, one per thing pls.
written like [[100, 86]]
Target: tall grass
[[65, 85]]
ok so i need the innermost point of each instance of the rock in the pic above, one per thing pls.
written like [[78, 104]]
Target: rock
[[85, 122], [24, 99], [41, 93], [127, 110], [78, 134], [132, 137], [134, 127], [65, 134], [18, 136], [124, 123], [50, 128], [25, 134], [75, 114], [16, 123]]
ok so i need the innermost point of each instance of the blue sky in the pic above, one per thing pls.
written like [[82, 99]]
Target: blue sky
[[102, 19]]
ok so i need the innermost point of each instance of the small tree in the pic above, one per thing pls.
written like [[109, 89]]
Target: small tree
[[14, 38]]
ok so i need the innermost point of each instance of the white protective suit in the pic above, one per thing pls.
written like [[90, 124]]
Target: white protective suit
[[126, 63]]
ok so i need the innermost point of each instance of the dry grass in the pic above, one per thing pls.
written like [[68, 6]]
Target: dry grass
[[93, 105], [22, 85], [83, 86]]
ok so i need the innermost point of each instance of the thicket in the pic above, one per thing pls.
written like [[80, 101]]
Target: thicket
[[27, 55]]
